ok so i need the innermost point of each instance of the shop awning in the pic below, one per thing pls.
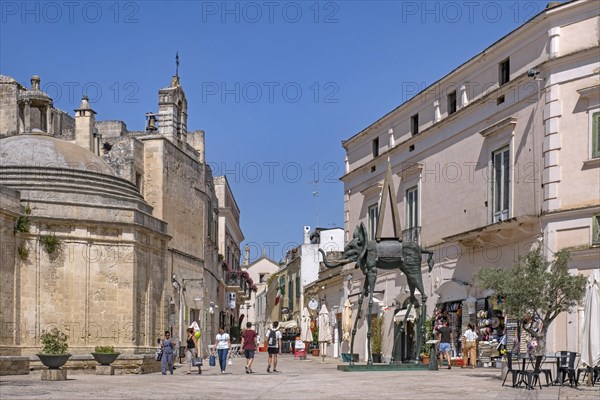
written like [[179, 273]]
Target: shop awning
[[288, 324], [399, 317], [451, 291]]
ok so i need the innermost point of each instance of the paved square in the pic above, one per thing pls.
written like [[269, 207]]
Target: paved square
[[306, 380]]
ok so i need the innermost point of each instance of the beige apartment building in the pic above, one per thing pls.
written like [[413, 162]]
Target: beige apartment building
[[230, 237], [133, 216], [500, 156]]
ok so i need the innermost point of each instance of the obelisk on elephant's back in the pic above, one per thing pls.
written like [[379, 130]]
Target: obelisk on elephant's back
[[385, 253]]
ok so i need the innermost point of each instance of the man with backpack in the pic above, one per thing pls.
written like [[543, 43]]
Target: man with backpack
[[273, 346]]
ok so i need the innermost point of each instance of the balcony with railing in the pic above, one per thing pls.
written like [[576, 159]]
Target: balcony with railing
[[412, 234], [240, 282], [233, 281]]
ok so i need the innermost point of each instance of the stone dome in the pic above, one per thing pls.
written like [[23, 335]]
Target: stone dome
[[43, 151], [47, 169]]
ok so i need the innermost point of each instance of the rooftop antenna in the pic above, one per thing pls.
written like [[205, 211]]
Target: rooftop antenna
[[177, 64], [315, 194]]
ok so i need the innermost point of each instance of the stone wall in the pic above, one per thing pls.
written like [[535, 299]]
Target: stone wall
[[9, 242], [98, 289], [110, 129], [63, 125], [85, 364], [125, 158], [9, 117], [14, 365], [174, 186]]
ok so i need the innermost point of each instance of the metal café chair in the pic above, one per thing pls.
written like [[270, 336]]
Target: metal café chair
[[514, 372], [547, 372], [534, 375], [234, 351], [594, 372], [566, 367]]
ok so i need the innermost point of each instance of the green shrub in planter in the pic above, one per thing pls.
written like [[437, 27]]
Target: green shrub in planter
[[104, 349], [105, 355], [55, 352], [55, 342]]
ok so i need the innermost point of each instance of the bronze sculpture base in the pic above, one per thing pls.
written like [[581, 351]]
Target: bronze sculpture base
[[382, 367]]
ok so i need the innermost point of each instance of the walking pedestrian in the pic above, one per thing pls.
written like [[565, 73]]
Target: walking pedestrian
[[222, 345], [445, 338], [192, 349], [470, 344], [167, 346], [273, 345], [249, 346]]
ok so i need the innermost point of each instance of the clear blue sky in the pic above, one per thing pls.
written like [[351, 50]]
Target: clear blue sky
[[276, 85]]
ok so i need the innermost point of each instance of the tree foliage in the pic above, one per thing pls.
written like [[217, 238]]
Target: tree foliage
[[377, 335], [536, 290]]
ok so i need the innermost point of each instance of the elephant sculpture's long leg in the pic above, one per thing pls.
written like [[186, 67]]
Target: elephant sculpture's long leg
[[371, 277], [421, 327], [358, 315]]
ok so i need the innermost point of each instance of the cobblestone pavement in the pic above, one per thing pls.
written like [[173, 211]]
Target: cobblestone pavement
[[306, 380]]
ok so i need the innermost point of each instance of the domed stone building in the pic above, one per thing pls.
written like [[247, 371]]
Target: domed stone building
[[105, 274], [106, 233]]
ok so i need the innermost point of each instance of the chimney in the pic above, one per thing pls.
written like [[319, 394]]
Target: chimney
[[307, 235], [85, 121]]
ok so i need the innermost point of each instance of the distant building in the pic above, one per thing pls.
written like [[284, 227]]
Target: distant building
[[255, 308], [299, 271], [496, 158]]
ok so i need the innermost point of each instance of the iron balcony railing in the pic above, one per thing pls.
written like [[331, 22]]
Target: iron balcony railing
[[412, 234]]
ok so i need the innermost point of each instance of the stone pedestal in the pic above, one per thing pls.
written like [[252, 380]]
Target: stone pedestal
[[105, 370], [54, 374]]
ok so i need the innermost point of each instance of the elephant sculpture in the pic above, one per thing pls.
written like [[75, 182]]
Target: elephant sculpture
[[370, 255]]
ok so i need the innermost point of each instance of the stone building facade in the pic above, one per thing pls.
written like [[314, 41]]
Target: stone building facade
[[133, 214], [498, 157], [230, 237]]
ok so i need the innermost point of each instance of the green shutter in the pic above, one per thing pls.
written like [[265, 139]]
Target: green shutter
[[282, 285], [596, 135], [291, 294]]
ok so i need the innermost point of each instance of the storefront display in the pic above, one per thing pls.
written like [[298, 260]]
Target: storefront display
[[451, 312], [491, 329]]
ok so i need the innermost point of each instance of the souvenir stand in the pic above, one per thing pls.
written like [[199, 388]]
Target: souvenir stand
[[491, 329], [452, 312]]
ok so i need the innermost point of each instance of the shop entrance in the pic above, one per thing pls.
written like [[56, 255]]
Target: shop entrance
[[404, 335]]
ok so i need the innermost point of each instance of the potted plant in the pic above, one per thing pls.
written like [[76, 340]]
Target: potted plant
[[377, 339], [55, 352], [315, 344], [105, 355], [426, 348]]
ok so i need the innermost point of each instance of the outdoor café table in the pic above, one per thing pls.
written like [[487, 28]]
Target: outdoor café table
[[558, 357]]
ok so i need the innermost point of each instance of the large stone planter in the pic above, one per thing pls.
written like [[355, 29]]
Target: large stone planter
[[54, 361], [105, 358]]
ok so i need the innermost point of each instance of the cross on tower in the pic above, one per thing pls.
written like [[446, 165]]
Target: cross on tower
[[177, 64]]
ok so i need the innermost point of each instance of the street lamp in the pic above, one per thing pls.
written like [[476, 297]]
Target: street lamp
[[181, 288]]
